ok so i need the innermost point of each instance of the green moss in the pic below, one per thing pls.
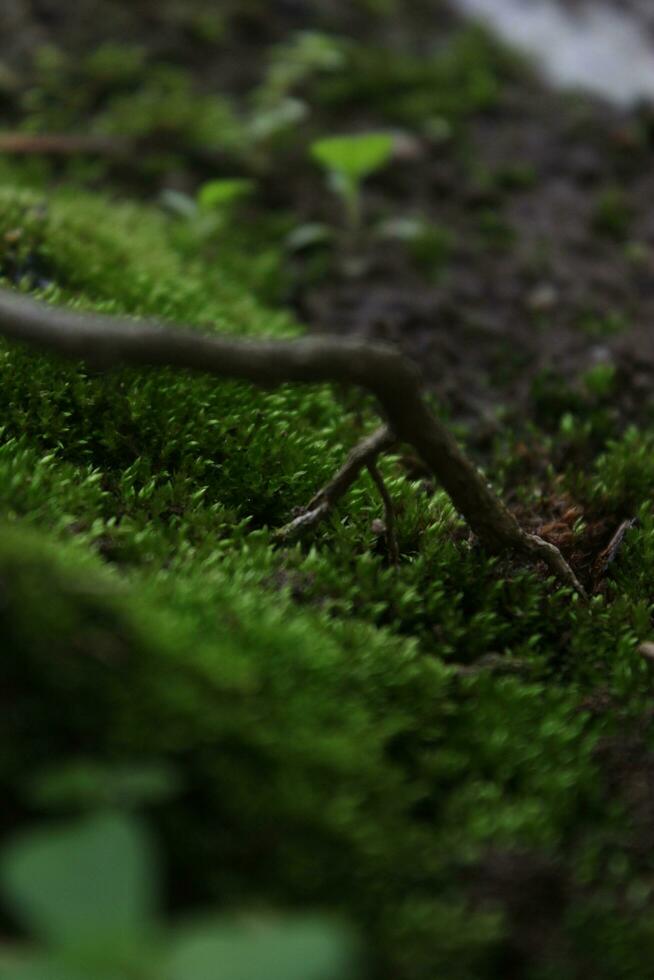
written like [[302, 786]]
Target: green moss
[[320, 761], [340, 734], [623, 473], [160, 430]]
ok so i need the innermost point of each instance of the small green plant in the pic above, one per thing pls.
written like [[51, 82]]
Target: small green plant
[[88, 893], [296, 61], [348, 161], [600, 380], [213, 208], [278, 105], [217, 195]]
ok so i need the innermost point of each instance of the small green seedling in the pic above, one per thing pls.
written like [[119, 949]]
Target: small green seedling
[[348, 161], [600, 380], [215, 200], [215, 205], [220, 195], [296, 61]]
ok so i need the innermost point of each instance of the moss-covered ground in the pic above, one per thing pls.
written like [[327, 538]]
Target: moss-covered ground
[[454, 753]]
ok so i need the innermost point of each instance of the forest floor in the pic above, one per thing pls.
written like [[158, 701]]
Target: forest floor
[[542, 198], [508, 249]]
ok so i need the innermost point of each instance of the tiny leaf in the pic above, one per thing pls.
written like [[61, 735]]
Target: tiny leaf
[[354, 156], [87, 883], [222, 193]]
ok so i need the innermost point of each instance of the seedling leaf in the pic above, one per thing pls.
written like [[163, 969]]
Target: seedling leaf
[[92, 882], [356, 157]]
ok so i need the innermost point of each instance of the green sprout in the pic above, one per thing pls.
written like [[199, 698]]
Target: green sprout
[[600, 380], [348, 161], [221, 195]]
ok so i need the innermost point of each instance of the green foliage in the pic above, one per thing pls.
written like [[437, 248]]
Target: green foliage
[[600, 380], [166, 445], [349, 160], [353, 157], [84, 784], [306, 55], [88, 890], [114, 90], [224, 192], [623, 473], [278, 104], [84, 886], [296, 950], [460, 78], [308, 725], [369, 755]]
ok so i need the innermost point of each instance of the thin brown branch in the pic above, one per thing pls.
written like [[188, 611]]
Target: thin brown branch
[[124, 150], [106, 342], [389, 513], [65, 144], [363, 454]]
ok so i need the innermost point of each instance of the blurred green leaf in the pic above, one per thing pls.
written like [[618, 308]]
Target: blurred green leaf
[[356, 156], [221, 193], [178, 203], [89, 883], [86, 783], [271, 120], [308, 235], [303, 949], [39, 968]]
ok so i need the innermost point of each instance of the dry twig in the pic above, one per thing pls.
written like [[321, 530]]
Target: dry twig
[[389, 513], [105, 342], [319, 506], [65, 144], [124, 150]]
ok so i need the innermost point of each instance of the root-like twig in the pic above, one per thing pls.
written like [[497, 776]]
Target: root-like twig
[[362, 456], [105, 342], [124, 150], [65, 144], [542, 550], [389, 513]]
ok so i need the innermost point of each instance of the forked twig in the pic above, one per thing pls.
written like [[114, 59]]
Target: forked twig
[[105, 342], [362, 456], [389, 513]]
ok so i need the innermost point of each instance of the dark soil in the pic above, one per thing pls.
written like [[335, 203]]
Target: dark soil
[[503, 315], [548, 271]]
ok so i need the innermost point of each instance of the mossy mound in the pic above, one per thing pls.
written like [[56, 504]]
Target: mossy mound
[[340, 733], [318, 763]]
